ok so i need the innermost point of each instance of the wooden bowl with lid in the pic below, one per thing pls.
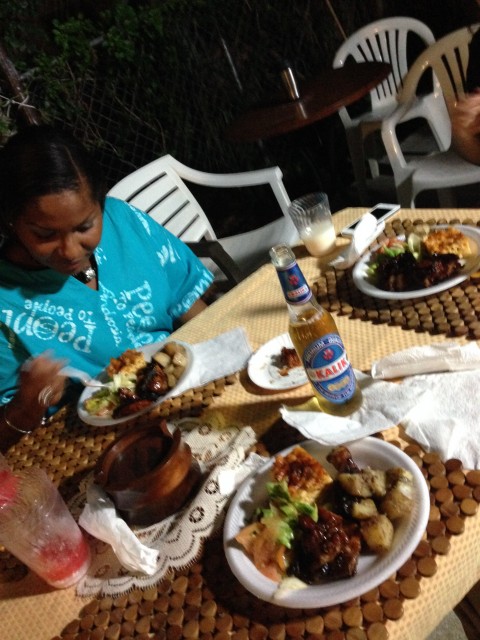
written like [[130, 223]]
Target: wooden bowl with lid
[[148, 472]]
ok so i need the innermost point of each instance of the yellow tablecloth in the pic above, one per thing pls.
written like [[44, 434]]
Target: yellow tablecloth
[[29, 609]]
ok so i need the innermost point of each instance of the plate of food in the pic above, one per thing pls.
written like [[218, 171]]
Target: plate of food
[[423, 263], [317, 526], [135, 382], [276, 365]]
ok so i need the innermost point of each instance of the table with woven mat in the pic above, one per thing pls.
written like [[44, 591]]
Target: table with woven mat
[[204, 600]]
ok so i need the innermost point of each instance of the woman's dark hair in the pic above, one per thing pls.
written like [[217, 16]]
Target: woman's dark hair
[[40, 160]]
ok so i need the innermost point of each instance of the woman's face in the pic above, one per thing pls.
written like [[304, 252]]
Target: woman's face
[[61, 230]]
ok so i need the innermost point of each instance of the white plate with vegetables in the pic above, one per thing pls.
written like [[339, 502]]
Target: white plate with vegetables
[[364, 279], [96, 406], [372, 568]]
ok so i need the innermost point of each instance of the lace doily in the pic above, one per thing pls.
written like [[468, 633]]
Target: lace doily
[[179, 538]]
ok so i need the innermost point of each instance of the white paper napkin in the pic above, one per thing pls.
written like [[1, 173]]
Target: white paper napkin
[[384, 405], [100, 519], [446, 419], [221, 356], [440, 410], [443, 356], [230, 479], [365, 233]]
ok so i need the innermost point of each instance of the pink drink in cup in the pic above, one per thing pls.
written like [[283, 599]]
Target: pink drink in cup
[[37, 527]]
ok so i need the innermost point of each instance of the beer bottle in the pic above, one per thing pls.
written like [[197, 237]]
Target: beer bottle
[[316, 340]]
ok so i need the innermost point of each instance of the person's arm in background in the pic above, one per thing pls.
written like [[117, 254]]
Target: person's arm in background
[[466, 128], [197, 307], [466, 116]]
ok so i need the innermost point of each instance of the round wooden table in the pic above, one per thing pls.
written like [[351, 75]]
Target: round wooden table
[[319, 97]]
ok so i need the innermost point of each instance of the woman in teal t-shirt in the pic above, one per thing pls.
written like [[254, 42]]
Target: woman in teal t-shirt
[[83, 277]]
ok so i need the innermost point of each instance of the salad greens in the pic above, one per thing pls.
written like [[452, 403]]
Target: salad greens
[[106, 399], [281, 515], [392, 248]]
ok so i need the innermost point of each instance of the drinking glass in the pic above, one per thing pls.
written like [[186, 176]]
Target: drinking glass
[[312, 218], [37, 527]]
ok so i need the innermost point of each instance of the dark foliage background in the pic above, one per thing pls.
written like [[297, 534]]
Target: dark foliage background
[[137, 79]]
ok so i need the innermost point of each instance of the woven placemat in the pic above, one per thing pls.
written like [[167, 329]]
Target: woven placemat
[[453, 312], [67, 449], [206, 601]]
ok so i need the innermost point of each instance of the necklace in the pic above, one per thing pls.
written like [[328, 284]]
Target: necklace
[[87, 275]]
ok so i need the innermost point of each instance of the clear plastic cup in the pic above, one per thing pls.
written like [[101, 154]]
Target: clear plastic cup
[[312, 218], [37, 527]]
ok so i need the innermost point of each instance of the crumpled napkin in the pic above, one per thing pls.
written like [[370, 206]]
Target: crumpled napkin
[[437, 408], [365, 233], [230, 479], [221, 356], [445, 419], [442, 356], [384, 405], [100, 519]]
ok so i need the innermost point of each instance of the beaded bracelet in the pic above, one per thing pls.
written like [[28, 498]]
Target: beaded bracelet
[[10, 424]]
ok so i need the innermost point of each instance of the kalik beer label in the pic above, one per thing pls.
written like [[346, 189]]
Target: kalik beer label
[[294, 285], [329, 370]]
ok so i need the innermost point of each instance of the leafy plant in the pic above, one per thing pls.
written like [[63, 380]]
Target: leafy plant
[[137, 79]]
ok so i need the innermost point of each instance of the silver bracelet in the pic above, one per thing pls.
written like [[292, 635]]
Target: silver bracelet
[[11, 425]]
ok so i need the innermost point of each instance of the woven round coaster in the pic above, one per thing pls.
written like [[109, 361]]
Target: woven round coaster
[[66, 447], [206, 601], [453, 312]]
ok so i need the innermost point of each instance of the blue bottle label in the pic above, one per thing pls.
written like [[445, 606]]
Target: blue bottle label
[[329, 370], [294, 285]]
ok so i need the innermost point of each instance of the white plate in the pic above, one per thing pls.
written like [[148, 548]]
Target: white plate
[[265, 373], [148, 351], [372, 569], [362, 282]]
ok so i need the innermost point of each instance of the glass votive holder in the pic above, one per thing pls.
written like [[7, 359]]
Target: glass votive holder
[[312, 218]]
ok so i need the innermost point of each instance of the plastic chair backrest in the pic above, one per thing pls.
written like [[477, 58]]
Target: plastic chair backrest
[[384, 41], [448, 59], [157, 189]]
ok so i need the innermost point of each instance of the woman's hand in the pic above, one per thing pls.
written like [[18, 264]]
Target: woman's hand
[[41, 385], [41, 381]]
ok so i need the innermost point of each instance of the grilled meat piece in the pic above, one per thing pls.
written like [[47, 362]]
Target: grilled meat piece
[[398, 273], [289, 358], [342, 460], [131, 407], [437, 268], [328, 548], [127, 395], [404, 273], [152, 381]]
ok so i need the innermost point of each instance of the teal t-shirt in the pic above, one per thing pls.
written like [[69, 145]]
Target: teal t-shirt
[[147, 279]]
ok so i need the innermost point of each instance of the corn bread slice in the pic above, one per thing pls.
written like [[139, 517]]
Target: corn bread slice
[[448, 240], [129, 362], [306, 478]]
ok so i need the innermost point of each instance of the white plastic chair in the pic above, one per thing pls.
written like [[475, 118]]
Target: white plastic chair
[[447, 59], [158, 188], [387, 40]]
